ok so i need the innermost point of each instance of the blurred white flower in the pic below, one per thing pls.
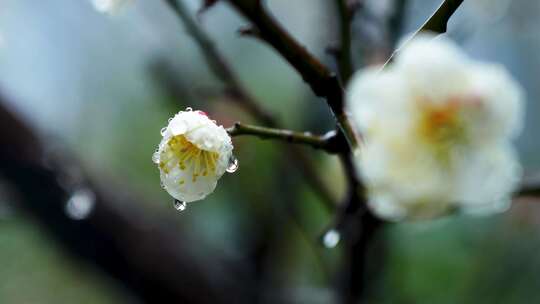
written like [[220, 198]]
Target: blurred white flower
[[109, 6], [437, 128], [193, 154]]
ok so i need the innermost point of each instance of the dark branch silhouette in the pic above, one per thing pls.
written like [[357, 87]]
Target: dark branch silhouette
[[437, 23], [139, 249]]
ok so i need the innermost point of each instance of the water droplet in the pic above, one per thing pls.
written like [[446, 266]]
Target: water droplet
[[179, 205], [162, 131], [80, 204], [189, 109], [169, 120], [162, 185], [331, 238], [233, 164], [155, 157]]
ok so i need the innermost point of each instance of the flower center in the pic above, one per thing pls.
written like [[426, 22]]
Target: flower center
[[189, 157], [441, 126]]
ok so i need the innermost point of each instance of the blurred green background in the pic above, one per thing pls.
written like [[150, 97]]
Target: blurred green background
[[89, 81]]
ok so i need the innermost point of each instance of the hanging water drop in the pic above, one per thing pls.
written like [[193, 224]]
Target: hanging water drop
[[80, 204], [155, 157], [162, 131], [189, 109], [233, 165], [179, 205], [331, 238]]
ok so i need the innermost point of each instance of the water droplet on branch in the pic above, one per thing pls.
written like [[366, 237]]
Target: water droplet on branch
[[80, 204], [331, 238]]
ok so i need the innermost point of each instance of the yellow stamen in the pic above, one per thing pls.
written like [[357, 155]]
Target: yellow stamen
[[441, 126], [186, 155]]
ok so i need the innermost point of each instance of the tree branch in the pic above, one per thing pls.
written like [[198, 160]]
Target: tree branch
[[359, 227], [330, 142], [437, 23], [322, 81], [343, 53]]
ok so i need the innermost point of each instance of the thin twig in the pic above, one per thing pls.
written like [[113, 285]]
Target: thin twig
[[437, 23], [322, 81], [343, 53], [329, 142], [530, 186]]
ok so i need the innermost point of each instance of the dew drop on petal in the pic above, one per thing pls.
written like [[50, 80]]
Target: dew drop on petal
[[331, 238], [155, 157], [189, 109], [162, 185], [179, 205], [233, 164], [80, 204], [169, 120], [162, 131]]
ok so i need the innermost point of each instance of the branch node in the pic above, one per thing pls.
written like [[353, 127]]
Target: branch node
[[249, 31]]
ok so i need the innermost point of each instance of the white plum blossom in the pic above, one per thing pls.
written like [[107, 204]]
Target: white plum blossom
[[109, 6], [193, 154], [437, 129]]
